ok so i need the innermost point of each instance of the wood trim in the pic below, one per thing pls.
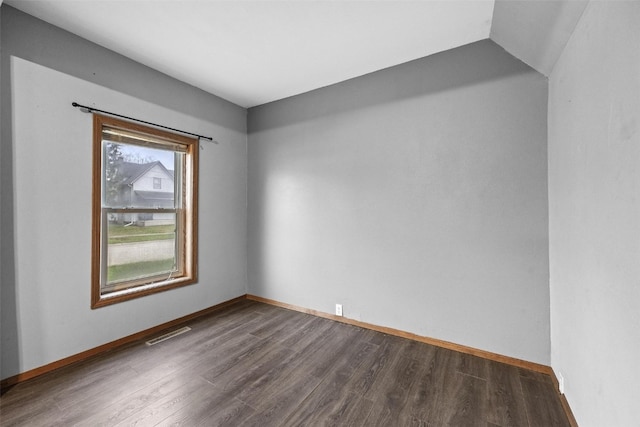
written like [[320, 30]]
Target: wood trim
[[96, 213], [563, 400], [11, 381], [187, 215], [396, 332]]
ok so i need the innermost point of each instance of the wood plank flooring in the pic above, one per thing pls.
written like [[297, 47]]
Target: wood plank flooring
[[252, 364]]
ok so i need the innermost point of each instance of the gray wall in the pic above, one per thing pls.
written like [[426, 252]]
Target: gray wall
[[46, 191], [594, 207], [415, 196], [535, 32]]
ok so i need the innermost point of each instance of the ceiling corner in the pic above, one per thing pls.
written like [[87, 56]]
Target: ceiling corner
[[535, 32]]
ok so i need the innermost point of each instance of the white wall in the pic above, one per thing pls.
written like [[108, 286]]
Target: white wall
[[594, 224], [47, 149], [415, 196]]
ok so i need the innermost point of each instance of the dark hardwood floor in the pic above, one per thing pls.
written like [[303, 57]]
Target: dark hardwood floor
[[253, 364]]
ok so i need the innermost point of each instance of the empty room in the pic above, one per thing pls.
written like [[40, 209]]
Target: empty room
[[302, 213]]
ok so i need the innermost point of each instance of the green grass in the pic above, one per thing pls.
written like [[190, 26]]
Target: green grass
[[138, 269], [132, 233]]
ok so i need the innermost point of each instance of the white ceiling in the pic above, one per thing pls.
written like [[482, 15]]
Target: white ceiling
[[254, 52]]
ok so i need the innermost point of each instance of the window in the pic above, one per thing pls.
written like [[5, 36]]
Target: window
[[144, 211]]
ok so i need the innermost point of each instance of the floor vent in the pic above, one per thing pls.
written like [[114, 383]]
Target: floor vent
[[168, 335]]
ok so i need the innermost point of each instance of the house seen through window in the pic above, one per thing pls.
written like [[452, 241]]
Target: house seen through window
[[145, 199]]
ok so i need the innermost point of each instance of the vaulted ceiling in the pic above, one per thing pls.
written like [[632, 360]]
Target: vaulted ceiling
[[254, 52]]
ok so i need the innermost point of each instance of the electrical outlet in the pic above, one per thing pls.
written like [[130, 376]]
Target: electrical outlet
[[338, 309], [560, 383]]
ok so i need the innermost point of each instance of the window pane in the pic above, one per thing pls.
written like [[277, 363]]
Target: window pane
[[140, 245], [139, 176]]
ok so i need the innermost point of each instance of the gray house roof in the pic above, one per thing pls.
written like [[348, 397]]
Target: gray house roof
[[134, 171]]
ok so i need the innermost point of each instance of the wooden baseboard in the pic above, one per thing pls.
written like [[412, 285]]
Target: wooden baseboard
[[563, 400], [396, 332], [11, 381]]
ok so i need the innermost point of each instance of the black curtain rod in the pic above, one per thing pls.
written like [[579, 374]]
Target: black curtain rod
[[86, 109]]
